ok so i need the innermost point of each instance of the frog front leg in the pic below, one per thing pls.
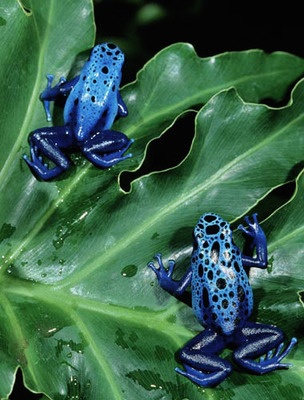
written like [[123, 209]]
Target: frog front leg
[[164, 277], [258, 241], [263, 342], [122, 108], [62, 88], [201, 362], [106, 148], [47, 143]]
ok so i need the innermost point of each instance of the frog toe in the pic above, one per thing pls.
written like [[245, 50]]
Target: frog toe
[[41, 170], [204, 379]]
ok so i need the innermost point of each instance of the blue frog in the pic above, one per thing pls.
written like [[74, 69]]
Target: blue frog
[[93, 101], [222, 301]]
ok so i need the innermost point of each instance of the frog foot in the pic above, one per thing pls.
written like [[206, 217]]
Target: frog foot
[[35, 159], [161, 271], [164, 276], [44, 96], [47, 103], [257, 235], [40, 169], [203, 379], [272, 360], [253, 227]]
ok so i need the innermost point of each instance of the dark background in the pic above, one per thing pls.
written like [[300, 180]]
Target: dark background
[[211, 26]]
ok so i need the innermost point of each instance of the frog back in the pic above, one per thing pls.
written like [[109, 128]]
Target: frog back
[[221, 293], [93, 102]]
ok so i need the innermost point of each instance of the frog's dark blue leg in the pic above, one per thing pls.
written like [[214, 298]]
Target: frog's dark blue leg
[[164, 277], [201, 362], [258, 241], [106, 148], [50, 93], [262, 348], [47, 143]]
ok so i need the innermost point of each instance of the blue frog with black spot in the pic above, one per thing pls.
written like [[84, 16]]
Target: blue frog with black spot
[[93, 101], [222, 301]]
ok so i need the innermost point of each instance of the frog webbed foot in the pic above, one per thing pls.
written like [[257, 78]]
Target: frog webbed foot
[[201, 362], [255, 238], [164, 276], [44, 97], [40, 169], [44, 144], [35, 163], [269, 361], [62, 88], [274, 357], [253, 230], [264, 349], [205, 379]]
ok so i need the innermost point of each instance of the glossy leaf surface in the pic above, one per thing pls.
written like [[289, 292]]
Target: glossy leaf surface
[[80, 311]]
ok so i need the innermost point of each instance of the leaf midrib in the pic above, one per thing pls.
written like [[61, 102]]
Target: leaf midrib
[[65, 300]]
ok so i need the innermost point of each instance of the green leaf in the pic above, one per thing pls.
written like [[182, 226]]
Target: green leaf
[[176, 79], [285, 232], [279, 291], [80, 312], [35, 43]]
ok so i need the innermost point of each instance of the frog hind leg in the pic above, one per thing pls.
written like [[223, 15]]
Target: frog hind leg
[[47, 143], [201, 362], [263, 348], [106, 148]]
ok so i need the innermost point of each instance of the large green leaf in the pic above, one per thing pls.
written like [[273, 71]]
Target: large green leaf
[[79, 310], [176, 79], [33, 43]]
